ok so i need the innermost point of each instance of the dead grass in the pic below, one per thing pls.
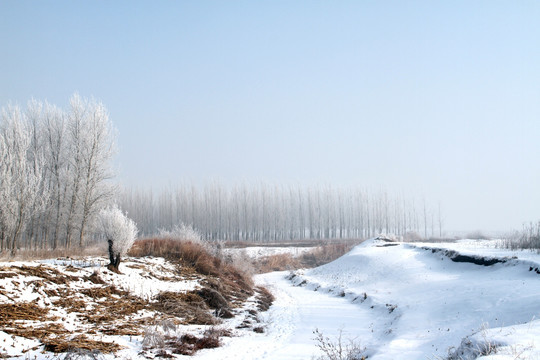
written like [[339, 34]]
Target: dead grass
[[319, 256], [264, 298], [32, 322], [9, 313], [278, 262], [326, 253], [192, 258], [46, 273], [188, 253], [111, 310], [189, 344], [103, 309], [71, 304], [189, 307], [60, 345], [38, 254], [38, 332]]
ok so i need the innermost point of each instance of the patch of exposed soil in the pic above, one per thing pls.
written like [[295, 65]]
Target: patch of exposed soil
[[473, 259]]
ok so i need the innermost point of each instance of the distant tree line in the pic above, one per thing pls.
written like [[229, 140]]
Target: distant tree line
[[269, 212], [54, 172]]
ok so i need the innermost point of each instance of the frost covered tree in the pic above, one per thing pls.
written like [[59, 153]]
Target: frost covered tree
[[91, 145], [21, 191], [119, 231], [56, 165], [98, 149], [272, 212], [55, 149]]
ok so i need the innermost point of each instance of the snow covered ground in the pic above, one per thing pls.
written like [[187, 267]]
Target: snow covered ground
[[393, 300], [404, 301], [260, 251]]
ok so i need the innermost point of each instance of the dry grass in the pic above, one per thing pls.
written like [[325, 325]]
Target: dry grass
[[30, 321], [103, 309], [189, 307], [9, 313], [264, 298], [188, 253], [326, 253], [234, 285], [278, 262], [58, 345], [106, 309], [189, 344], [45, 273], [38, 254], [318, 256]]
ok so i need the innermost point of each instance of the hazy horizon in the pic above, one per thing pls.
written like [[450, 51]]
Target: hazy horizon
[[438, 100]]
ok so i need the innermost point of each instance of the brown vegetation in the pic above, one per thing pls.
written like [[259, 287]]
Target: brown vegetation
[[100, 308], [234, 285], [187, 306], [58, 345], [9, 313], [47, 253], [189, 344], [320, 255]]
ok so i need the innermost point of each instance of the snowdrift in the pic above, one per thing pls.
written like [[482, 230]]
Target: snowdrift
[[433, 300]]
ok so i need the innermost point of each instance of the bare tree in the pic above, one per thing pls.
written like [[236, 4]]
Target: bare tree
[[119, 231]]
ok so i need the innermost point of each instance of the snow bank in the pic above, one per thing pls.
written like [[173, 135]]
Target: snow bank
[[423, 303]]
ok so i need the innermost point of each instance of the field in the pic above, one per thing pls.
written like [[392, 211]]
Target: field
[[382, 300]]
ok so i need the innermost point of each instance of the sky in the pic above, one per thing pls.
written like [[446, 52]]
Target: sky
[[436, 99]]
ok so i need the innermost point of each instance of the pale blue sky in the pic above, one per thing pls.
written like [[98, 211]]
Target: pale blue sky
[[437, 98]]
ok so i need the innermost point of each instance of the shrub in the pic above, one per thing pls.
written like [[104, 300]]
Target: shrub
[[318, 256], [326, 253], [337, 349], [232, 284], [528, 238], [189, 344], [152, 339], [82, 354], [187, 252], [189, 306]]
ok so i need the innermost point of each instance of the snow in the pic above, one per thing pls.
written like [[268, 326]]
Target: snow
[[404, 301], [396, 300], [261, 251]]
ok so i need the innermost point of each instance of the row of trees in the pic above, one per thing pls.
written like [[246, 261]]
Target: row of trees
[[267, 212], [54, 180], [54, 172]]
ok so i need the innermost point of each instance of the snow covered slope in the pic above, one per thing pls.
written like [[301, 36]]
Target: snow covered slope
[[423, 302], [465, 300]]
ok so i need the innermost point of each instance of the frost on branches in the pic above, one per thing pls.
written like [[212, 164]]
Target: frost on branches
[[119, 231], [21, 190]]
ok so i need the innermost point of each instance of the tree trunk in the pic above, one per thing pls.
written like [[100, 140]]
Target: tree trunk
[[15, 238], [113, 258]]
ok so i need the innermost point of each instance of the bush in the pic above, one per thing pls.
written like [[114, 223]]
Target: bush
[[337, 350], [187, 252], [528, 238], [189, 344], [234, 285], [318, 256], [477, 235], [153, 339]]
